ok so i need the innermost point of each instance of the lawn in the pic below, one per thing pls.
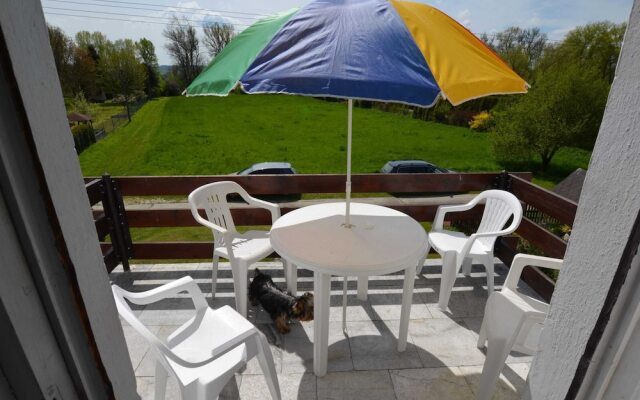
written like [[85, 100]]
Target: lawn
[[104, 111], [213, 135], [219, 135]]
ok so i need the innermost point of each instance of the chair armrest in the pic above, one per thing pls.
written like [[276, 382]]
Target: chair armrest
[[472, 238], [522, 260], [170, 289], [207, 223], [438, 222], [273, 208], [510, 229]]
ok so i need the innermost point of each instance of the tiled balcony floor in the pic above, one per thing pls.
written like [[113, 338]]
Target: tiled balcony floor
[[441, 360]]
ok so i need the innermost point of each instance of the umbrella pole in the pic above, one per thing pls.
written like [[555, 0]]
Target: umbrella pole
[[347, 221]]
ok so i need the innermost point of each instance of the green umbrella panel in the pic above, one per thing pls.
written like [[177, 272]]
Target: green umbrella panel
[[226, 69]]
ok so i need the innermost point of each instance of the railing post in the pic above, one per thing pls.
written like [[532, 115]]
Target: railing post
[[503, 181], [114, 210]]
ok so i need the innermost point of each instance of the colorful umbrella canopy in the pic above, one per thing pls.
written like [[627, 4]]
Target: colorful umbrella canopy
[[382, 50], [390, 51]]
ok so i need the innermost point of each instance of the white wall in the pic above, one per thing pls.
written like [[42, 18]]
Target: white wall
[[608, 206]]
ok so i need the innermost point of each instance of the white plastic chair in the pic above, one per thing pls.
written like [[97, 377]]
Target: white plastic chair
[[457, 249], [241, 250], [205, 352], [512, 321]]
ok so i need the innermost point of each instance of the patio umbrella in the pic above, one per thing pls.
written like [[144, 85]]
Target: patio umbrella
[[381, 50]]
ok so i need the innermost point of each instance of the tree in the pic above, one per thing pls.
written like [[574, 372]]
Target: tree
[[216, 36], [595, 45], [520, 48], [563, 109], [84, 71], [147, 53], [96, 42], [121, 71], [184, 48], [62, 47]]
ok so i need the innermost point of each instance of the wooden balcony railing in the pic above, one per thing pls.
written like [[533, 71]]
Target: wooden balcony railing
[[533, 197]]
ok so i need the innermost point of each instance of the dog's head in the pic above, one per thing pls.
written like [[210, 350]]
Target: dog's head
[[302, 309]]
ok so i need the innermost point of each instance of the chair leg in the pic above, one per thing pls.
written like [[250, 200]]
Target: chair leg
[[482, 335], [497, 352], [422, 260], [344, 304], [466, 266], [363, 287], [291, 276], [214, 276], [265, 358], [488, 265], [240, 284], [161, 382], [449, 272]]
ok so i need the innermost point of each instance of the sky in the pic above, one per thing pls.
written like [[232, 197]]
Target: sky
[[136, 19]]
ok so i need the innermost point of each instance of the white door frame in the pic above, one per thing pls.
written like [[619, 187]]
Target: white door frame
[[58, 295]]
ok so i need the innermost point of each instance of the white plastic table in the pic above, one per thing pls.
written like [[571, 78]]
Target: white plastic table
[[380, 241]]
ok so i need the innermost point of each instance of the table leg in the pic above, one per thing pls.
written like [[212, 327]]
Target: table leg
[[321, 297], [363, 287], [291, 271], [405, 312]]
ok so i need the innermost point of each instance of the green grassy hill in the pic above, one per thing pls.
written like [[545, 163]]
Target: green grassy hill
[[218, 135]]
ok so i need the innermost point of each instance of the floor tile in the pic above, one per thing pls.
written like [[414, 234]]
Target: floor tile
[[444, 342], [430, 384], [509, 387], [474, 325], [137, 345], [441, 360], [374, 345], [292, 387], [356, 385], [297, 352], [146, 389]]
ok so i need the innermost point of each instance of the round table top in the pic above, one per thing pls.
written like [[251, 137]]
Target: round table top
[[381, 239]]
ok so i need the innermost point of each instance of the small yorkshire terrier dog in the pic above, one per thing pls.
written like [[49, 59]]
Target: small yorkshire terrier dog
[[280, 305]]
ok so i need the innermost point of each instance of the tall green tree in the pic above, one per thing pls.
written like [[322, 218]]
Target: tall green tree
[[121, 71], [521, 48], [595, 45], [147, 52], [563, 109], [84, 71], [63, 49], [97, 41]]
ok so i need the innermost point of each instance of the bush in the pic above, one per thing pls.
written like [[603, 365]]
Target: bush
[[481, 122], [459, 117], [81, 105], [83, 136]]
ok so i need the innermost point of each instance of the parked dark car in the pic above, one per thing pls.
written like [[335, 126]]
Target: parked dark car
[[270, 168], [412, 167]]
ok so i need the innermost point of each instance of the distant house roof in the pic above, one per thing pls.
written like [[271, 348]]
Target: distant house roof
[[571, 186], [77, 117]]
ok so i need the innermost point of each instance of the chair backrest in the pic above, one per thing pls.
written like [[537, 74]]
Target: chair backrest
[[158, 346], [498, 208], [213, 199], [528, 338]]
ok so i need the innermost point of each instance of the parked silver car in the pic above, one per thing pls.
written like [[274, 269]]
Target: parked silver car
[[268, 168]]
